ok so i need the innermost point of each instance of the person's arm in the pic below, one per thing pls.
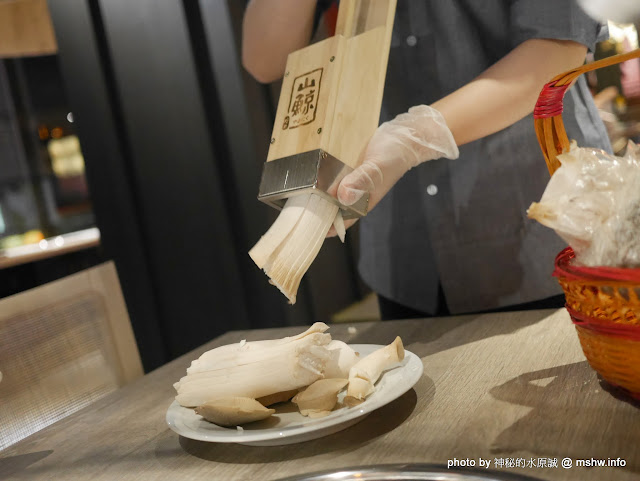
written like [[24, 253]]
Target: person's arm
[[271, 30], [503, 94], [508, 90]]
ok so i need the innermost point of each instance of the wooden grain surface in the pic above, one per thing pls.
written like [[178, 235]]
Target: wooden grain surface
[[348, 71], [26, 29], [509, 385]]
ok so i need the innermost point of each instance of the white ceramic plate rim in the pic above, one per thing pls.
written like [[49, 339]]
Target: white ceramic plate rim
[[410, 371]]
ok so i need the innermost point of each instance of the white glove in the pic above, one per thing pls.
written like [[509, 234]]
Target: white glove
[[411, 138]]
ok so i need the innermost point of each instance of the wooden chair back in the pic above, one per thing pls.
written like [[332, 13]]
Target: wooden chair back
[[63, 346]]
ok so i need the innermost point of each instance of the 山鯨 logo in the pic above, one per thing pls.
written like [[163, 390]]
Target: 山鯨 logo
[[303, 101]]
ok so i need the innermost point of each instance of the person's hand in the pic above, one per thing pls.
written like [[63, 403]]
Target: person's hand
[[411, 138]]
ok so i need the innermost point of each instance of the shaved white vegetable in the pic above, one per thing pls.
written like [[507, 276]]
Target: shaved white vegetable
[[233, 384], [278, 397], [291, 244], [341, 361], [256, 373], [338, 223], [233, 411], [364, 374], [279, 230], [232, 354], [319, 398]]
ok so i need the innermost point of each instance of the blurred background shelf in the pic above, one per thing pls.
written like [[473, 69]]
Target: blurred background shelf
[[46, 248]]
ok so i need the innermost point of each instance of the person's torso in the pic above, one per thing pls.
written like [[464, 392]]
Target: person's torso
[[463, 222]]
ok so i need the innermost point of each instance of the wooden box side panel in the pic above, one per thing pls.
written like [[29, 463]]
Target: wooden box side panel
[[307, 98], [359, 97]]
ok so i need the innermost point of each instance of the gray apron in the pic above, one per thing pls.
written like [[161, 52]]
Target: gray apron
[[462, 223]]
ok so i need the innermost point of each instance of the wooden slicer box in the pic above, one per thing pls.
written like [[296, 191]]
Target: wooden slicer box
[[329, 107]]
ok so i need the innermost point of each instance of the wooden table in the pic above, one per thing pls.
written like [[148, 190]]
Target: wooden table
[[507, 386]]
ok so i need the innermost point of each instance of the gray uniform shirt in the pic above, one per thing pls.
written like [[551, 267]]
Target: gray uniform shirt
[[463, 222]]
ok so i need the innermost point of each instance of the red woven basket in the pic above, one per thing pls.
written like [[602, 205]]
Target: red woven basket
[[604, 302]]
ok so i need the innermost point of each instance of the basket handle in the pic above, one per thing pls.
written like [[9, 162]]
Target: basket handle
[[547, 113]]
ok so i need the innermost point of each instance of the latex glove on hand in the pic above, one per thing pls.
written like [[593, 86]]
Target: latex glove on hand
[[397, 146]]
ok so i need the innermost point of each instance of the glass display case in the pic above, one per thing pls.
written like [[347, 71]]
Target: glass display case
[[43, 190]]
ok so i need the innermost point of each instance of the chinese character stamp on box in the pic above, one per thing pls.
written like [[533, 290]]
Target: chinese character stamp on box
[[304, 100]]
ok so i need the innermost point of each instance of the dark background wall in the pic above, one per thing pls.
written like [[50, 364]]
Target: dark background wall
[[174, 133]]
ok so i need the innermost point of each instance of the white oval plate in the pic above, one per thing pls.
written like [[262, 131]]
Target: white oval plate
[[287, 425]]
